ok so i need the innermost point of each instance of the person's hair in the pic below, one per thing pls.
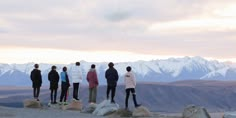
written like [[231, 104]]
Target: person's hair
[[93, 66], [110, 65], [36, 65], [77, 63], [64, 69], [53, 67], [128, 68]]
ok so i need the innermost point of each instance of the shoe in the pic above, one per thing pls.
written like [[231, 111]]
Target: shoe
[[54, 102], [60, 103], [65, 103], [138, 105], [75, 99], [113, 101]]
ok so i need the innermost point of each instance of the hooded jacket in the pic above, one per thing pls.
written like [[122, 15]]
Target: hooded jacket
[[76, 74], [130, 81], [92, 78]]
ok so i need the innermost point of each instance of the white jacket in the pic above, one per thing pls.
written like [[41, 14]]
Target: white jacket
[[130, 81], [76, 74]]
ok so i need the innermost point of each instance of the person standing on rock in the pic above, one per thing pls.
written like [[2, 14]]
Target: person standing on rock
[[36, 79], [76, 76], [53, 78], [112, 77], [93, 83], [130, 83], [65, 84]]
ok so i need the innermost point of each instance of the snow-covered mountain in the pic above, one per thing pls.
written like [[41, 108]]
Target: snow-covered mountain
[[172, 69]]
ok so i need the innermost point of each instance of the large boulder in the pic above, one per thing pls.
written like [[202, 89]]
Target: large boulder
[[141, 112], [193, 111], [105, 108], [32, 103], [230, 115], [74, 105]]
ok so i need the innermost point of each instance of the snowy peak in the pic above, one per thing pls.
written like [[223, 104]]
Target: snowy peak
[[167, 70]]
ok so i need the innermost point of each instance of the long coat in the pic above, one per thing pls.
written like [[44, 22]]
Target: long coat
[[36, 78], [53, 77]]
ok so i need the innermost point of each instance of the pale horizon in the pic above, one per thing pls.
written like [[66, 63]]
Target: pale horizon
[[65, 31], [55, 56]]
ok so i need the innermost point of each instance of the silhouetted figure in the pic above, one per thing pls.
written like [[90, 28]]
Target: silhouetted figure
[[36, 78], [112, 78], [93, 83], [53, 77], [65, 84], [130, 83]]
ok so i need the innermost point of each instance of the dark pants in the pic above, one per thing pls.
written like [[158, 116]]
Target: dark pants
[[36, 92], [113, 92], [75, 90], [64, 89], [132, 90], [54, 95]]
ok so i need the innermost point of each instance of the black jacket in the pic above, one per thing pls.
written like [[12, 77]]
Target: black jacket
[[111, 76], [53, 77], [36, 78]]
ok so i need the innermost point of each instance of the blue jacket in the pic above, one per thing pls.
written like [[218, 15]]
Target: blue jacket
[[65, 78]]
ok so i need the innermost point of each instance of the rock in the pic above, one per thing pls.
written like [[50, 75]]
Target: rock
[[90, 108], [230, 115], [105, 108], [141, 112], [193, 111], [32, 103], [74, 105], [121, 113]]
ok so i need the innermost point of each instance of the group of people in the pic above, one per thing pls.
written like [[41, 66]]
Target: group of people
[[75, 75]]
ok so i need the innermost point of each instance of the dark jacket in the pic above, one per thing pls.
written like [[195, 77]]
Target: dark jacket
[[36, 78], [111, 76], [53, 77]]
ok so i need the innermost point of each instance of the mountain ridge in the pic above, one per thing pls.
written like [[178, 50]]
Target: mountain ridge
[[165, 70]]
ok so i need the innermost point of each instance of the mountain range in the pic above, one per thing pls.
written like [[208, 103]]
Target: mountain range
[[165, 70]]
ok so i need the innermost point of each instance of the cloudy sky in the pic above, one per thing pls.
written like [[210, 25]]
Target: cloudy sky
[[64, 31]]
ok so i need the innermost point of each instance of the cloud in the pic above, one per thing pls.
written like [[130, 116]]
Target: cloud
[[170, 27]]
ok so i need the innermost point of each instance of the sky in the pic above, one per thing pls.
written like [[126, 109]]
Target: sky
[[65, 31]]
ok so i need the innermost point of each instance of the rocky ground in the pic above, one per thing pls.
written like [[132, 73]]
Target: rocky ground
[[106, 109], [6, 112]]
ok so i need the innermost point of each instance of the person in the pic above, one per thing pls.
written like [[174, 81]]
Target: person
[[130, 83], [65, 84], [36, 79], [112, 77], [93, 83], [53, 78], [76, 76]]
